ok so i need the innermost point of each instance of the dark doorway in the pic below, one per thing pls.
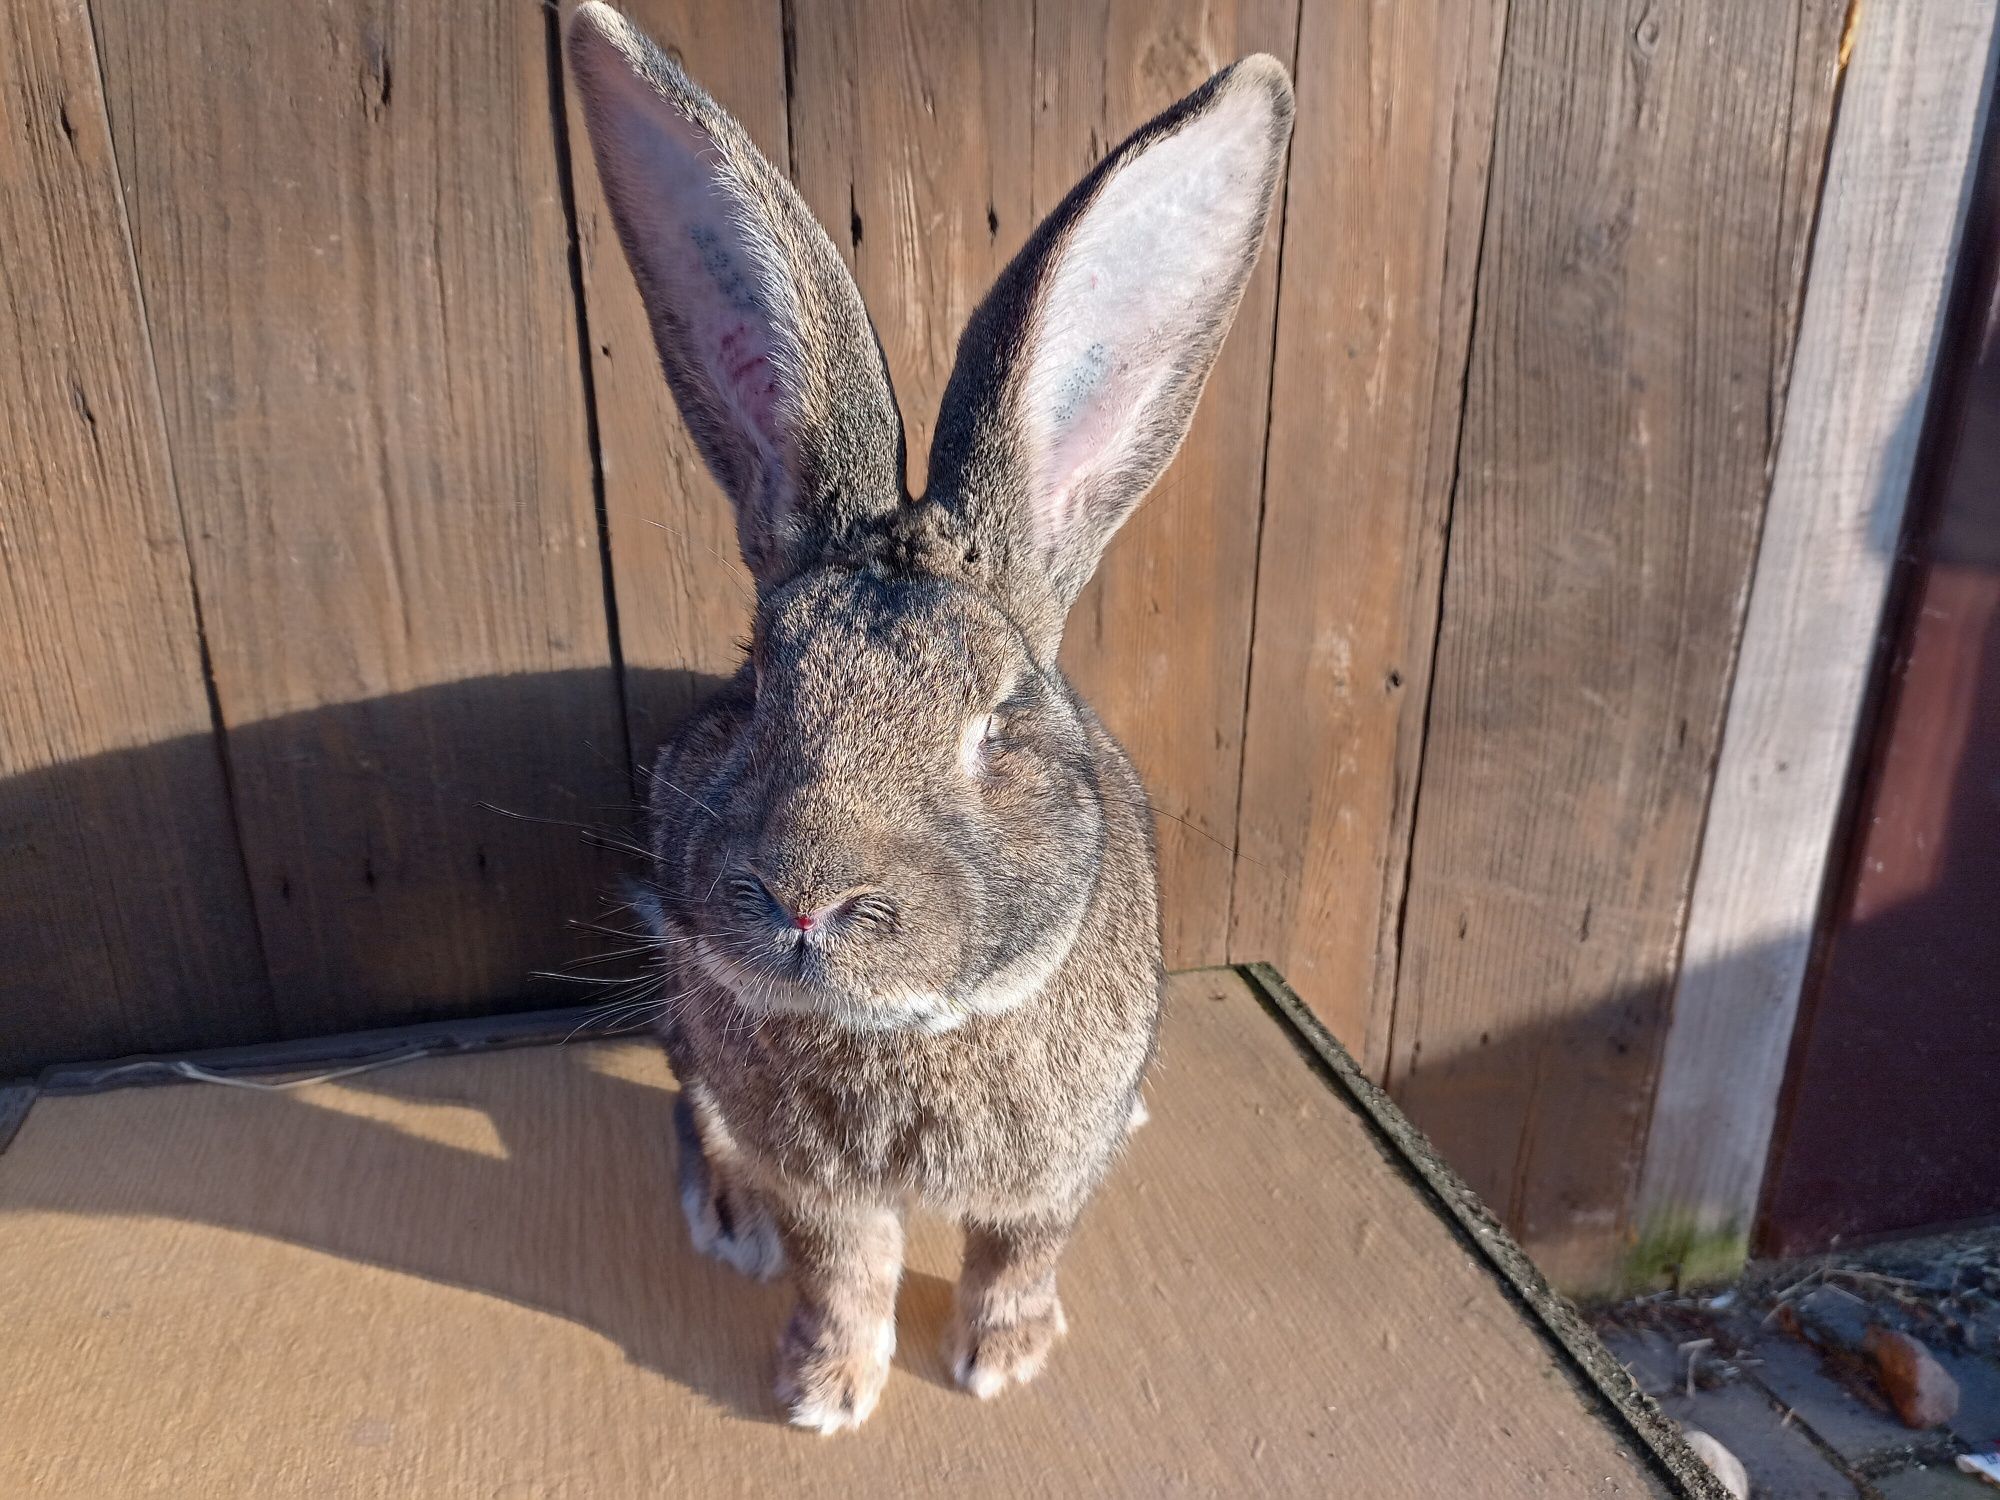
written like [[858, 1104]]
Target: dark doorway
[[1891, 1120]]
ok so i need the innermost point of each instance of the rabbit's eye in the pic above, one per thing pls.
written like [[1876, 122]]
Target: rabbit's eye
[[873, 910], [977, 743]]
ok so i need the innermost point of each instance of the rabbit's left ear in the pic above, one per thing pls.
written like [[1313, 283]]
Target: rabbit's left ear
[[1078, 376]]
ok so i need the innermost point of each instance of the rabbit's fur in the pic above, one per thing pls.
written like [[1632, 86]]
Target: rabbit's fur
[[904, 877]]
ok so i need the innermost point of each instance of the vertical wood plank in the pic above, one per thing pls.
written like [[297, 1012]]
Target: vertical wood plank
[[684, 596], [1160, 640], [126, 916], [911, 123], [1382, 223], [1900, 178], [1622, 385], [350, 236]]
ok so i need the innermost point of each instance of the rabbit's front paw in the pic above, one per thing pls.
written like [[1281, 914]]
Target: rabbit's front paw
[[988, 1356], [830, 1381]]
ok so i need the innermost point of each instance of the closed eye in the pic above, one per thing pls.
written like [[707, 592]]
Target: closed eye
[[873, 909], [976, 743], [990, 732]]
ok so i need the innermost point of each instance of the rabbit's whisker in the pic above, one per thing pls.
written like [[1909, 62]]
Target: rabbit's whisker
[[675, 787], [591, 832], [597, 1020], [557, 974], [617, 932], [649, 946]]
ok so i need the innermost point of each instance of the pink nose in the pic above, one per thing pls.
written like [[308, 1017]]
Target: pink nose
[[804, 923]]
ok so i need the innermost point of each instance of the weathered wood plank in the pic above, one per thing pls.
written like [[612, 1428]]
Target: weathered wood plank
[[1911, 121], [1382, 221], [350, 235], [1625, 368], [910, 119], [127, 920], [1160, 641], [1263, 1301], [683, 593]]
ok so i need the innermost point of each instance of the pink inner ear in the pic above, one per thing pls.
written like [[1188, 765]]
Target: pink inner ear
[[742, 361], [1093, 421]]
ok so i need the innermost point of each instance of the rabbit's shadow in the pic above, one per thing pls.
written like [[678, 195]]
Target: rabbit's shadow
[[566, 1205]]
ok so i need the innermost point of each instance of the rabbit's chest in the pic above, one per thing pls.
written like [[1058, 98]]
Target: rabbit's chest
[[965, 1131]]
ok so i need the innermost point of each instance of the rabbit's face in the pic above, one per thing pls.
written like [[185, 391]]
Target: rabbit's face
[[910, 826]]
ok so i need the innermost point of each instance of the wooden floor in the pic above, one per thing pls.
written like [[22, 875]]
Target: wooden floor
[[468, 1277]]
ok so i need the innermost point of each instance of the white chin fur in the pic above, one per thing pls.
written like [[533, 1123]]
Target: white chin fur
[[760, 994], [895, 1010]]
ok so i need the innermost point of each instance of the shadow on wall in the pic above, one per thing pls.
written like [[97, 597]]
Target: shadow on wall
[[1891, 1125], [352, 890], [1567, 1187]]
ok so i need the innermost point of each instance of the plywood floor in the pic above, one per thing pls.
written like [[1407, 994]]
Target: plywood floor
[[468, 1277]]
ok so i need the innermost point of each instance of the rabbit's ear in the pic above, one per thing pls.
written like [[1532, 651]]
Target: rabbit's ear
[[760, 329], [1077, 377]]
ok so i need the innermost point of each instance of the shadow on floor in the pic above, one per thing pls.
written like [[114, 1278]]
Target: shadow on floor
[[542, 1176]]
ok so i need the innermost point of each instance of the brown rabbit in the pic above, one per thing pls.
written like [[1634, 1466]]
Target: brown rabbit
[[903, 877]]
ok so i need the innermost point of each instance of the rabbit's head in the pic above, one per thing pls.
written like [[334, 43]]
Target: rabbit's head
[[909, 825]]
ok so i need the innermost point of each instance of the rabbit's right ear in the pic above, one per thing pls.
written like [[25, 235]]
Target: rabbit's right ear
[[1078, 375], [760, 329]]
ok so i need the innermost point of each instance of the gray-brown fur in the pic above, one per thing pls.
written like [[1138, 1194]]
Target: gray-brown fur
[[913, 951]]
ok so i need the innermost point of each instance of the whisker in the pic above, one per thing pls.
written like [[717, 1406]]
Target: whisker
[[749, 597], [591, 834], [676, 787], [618, 953], [648, 1002], [1153, 808], [617, 932], [576, 978], [596, 1024]]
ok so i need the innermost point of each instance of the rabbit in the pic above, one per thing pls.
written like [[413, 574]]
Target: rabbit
[[903, 878]]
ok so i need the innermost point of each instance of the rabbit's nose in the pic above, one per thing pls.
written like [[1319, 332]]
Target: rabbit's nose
[[868, 906], [786, 906]]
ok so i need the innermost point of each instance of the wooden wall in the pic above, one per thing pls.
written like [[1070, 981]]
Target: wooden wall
[[1631, 342], [341, 503]]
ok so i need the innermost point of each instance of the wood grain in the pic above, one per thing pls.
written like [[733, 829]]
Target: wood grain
[[351, 241], [126, 916], [1160, 640], [1624, 374], [1382, 222], [469, 1276], [910, 119], [1900, 177], [684, 596]]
